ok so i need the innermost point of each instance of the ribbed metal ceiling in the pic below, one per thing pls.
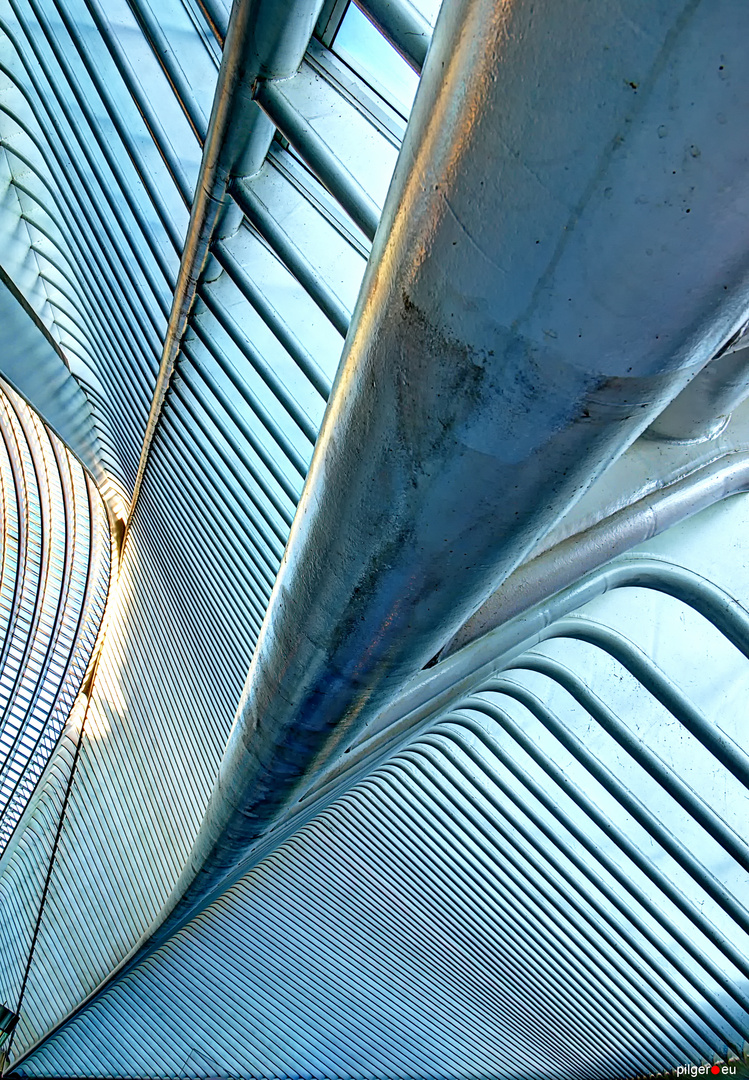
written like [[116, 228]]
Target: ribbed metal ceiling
[[551, 878], [548, 879], [103, 116], [53, 588]]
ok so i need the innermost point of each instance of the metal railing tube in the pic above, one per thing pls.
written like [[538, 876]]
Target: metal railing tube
[[584, 552], [702, 410]]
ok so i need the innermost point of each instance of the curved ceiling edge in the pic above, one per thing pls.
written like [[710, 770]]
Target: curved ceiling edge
[[31, 362], [55, 564]]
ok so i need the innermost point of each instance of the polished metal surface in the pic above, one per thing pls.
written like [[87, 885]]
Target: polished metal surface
[[349, 887], [101, 151], [703, 408], [583, 552]]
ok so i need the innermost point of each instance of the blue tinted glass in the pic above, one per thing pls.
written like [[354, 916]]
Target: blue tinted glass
[[428, 8], [364, 48]]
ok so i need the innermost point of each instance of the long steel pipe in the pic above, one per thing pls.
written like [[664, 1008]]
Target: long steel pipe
[[560, 251], [291, 256], [264, 40], [583, 552], [703, 408], [533, 597]]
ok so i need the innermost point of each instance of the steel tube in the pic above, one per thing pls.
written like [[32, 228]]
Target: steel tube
[[263, 369], [523, 318], [145, 106], [488, 379], [276, 432], [577, 556], [422, 771], [164, 54], [722, 747], [215, 16], [514, 802], [621, 838], [703, 408], [629, 802]]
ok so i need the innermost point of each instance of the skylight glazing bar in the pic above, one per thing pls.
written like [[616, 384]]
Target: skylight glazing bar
[[218, 524], [108, 179], [320, 158], [122, 189], [290, 255], [274, 384], [261, 414], [217, 16], [97, 218], [664, 775]]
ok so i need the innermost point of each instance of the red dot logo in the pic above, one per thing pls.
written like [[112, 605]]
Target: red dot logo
[[715, 1070]]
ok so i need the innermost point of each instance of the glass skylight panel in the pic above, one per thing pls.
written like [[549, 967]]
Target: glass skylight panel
[[189, 57], [168, 122], [363, 47]]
